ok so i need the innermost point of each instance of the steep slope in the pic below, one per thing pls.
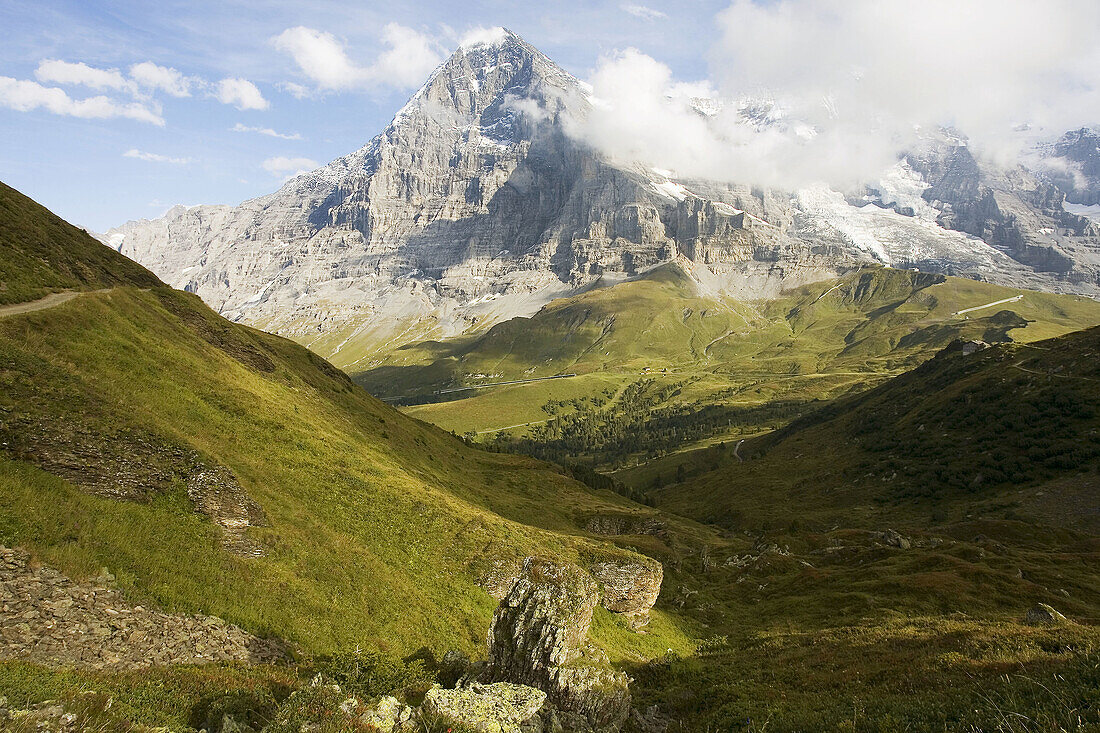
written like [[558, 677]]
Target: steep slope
[[43, 254], [1008, 431], [213, 467], [479, 203]]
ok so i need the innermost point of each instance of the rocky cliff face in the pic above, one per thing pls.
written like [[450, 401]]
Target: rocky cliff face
[[476, 205], [1073, 165]]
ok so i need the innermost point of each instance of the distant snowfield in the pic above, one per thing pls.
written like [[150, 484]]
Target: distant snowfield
[[1092, 212]]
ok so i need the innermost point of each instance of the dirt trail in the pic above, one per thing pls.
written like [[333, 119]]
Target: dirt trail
[[51, 300]]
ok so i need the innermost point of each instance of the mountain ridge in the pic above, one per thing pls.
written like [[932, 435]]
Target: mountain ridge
[[478, 203]]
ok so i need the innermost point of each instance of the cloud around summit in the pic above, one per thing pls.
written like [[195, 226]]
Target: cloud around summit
[[836, 88]]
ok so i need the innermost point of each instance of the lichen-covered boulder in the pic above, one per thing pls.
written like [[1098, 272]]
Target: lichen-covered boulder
[[628, 587], [495, 708], [539, 638], [387, 715]]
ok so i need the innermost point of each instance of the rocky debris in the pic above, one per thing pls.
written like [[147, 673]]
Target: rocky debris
[[890, 538], [497, 708], [630, 588], [539, 637], [613, 525], [49, 619], [1043, 615], [757, 555]]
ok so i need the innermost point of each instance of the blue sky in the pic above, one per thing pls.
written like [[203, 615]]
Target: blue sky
[[78, 165], [111, 111]]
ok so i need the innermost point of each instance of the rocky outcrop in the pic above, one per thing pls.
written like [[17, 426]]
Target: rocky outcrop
[[125, 462], [1073, 164], [387, 715], [892, 538], [49, 619], [539, 638], [1043, 615], [628, 587], [625, 586], [620, 524], [1014, 211], [502, 573], [215, 492]]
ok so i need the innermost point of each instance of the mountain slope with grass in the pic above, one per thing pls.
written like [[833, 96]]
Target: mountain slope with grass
[[212, 468], [1011, 431], [215, 468], [44, 254], [660, 354]]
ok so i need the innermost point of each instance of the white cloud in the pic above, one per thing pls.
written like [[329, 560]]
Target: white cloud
[[265, 131], [80, 74], [298, 91], [641, 11], [839, 87], [24, 96], [288, 167], [409, 57], [482, 35], [154, 157], [241, 93], [151, 76]]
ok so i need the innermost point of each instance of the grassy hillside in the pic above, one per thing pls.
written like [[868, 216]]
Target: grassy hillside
[[697, 369], [372, 527], [1011, 431], [987, 464], [44, 254], [369, 528]]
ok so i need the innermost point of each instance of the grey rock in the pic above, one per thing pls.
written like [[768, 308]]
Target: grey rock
[[628, 587], [892, 538], [539, 636], [387, 715], [1072, 163], [1043, 615]]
